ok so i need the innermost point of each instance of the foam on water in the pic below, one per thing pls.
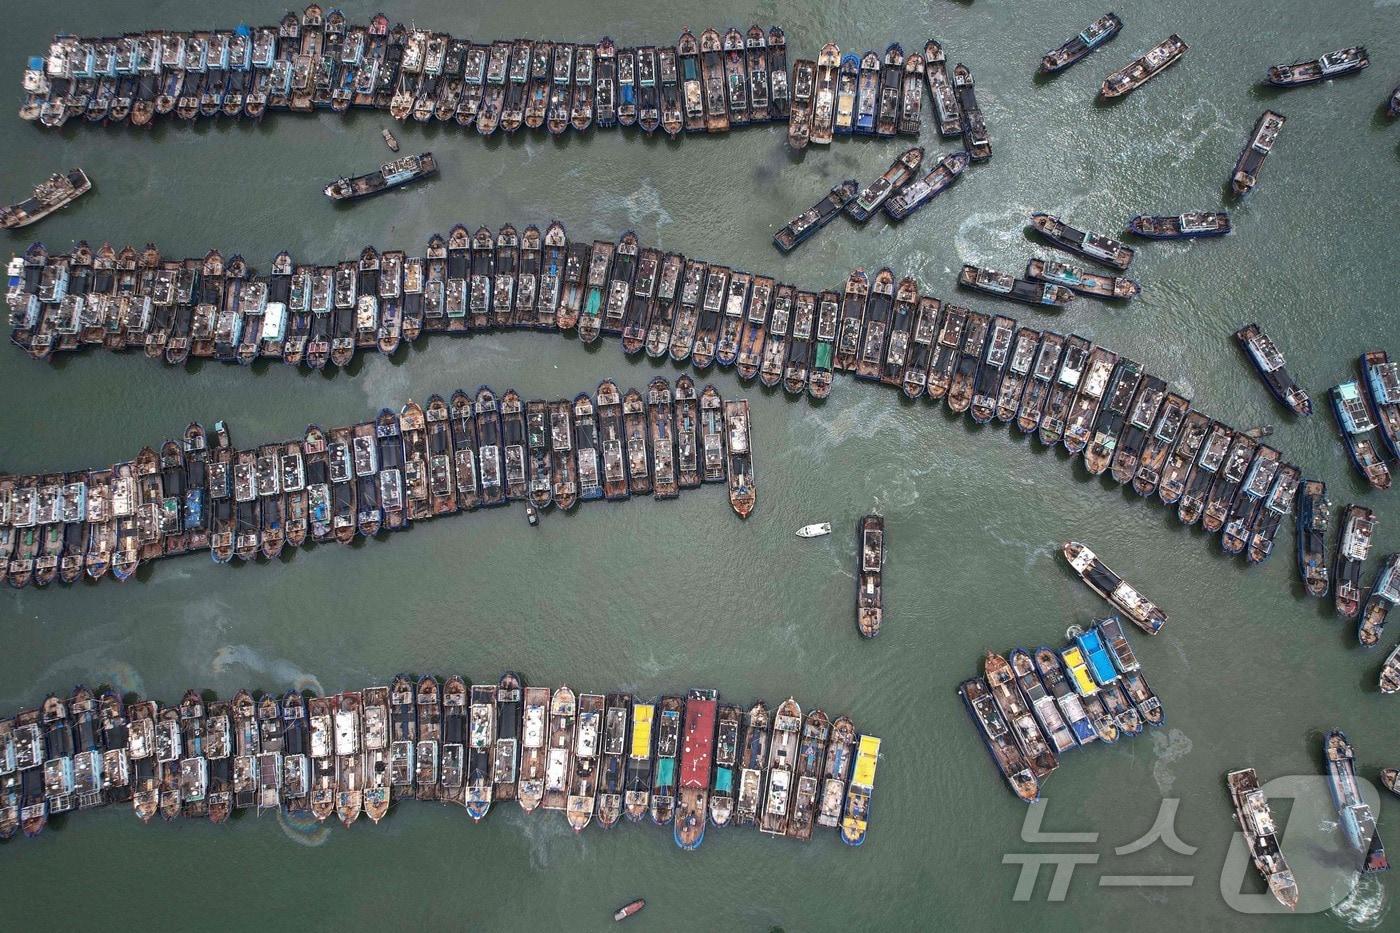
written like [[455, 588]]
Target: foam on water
[[1167, 747], [273, 674]]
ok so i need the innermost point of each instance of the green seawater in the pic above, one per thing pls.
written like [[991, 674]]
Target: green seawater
[[655, 597]]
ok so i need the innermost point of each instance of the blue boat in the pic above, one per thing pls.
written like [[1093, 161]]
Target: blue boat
[[1357, 821], [1383, 389], [1052, 674], [1100, 661], [1110, 629], [867, 93], [1359, 434]]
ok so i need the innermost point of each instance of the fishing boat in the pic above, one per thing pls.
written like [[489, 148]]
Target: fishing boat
[[506, 748], [1090, 38], [57, 191], [1187, 226], [1353, 547], [539, 484], [729, 719], [1117, 399], [945, 101], [869, 588], [1332, 65], [1277, 506], [349, 762], [1256, 149], [1268, 361], [1385, 593], [1111, 587], [743, 492], [801, 228], [807, 773], [1382, 380], [375, 738], [696, 763], [911, 96], [1017, 373], [390, 175], [903, 315], [1063, 391], [1079, 280], [1040, 756], [853, 306], [1005, 752], [856, 816], [824, 347], [782, 754], [389, 139], [1141, 70], [873, 196], [583, 783], [974, 128], [920, 191], [1358, 823], [563, 710], [481, 751], [1041, 703], [1005, 285], [1249, 498], [1359, 434], [663, 441], [1142, 416], [663, 778], [1261, 835], [1390, 684], [612, 777], [836, 770], [753, 760], [848, 81], [1067, 700], [534, 744]]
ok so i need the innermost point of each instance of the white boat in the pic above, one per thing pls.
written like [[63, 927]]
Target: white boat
[[818, 530]]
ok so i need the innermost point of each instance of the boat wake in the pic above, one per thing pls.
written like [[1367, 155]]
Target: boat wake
[[1365, 907]]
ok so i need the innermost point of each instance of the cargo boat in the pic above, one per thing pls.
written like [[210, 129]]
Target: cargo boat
[[1004, 285], [637, 777], [801, 228], [1261, 835], [856, 815], [1089, 38], [1141, 70], [1359, 434], [1082, 281], [1358, 823], [696, 763], [1111, 587], [393, 174], [1268, 361], [1006, 754], [1256, 149], [1332, 65]]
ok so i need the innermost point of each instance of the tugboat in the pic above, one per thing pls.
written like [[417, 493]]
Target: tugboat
[[697, 761], [1357, 821], [58, 191], [869, 201], [855, 819], [1383, 389], [1332, 65], [1251, 159], [782, 754], [1269, 363], [1385, 593], [730, 720], [637, 777], [1141, 611], [1093, 246], [1353, 547], [611, 781], [663, 780], [1257, 822], [1006, 754], [920, 191], [1359, 434], [840, 752], [1005, 285], [743, 492], [1188, 226], [802, 227], [1141, 70], [1090, 38], [394, 174]]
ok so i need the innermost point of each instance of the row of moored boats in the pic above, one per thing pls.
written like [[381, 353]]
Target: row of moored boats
[[459, 454], [1030, 707], [321, 61], [684, 761]]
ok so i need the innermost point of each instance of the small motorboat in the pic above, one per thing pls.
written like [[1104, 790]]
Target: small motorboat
[[389, 140], [627, 910], [532, 515], [820, 529]]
